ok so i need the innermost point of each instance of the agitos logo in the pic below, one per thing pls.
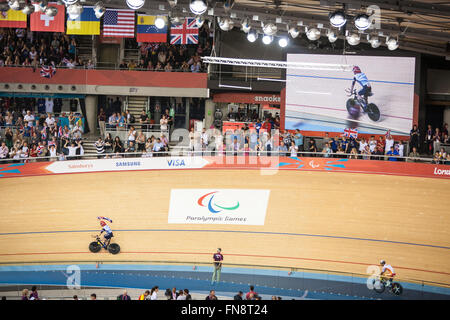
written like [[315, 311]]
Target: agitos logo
[[213, 207]]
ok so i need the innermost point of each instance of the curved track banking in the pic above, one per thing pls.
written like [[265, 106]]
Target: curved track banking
[[318, 220]]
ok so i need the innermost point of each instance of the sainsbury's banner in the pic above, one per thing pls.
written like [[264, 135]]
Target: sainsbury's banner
[[218, 206], [125, 164], [399, 168]]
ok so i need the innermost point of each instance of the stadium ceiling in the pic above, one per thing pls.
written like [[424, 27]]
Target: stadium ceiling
[[420, 26]]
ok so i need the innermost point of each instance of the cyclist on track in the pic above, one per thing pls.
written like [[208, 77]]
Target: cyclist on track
[[105, 228], [361, 78], [387, 271]]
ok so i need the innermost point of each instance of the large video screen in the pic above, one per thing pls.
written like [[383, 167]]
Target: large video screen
[[319, 95]]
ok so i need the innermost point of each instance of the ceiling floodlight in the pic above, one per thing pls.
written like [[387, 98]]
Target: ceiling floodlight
[[362, 22], [74, 11], [392, 43], [293, 32], [51, 11], [332, 36], [283, 42], [245, 25], [99, 9], [160, 22], [267, 39], [313, 34], [338, 19], [28, 9], [199, 21], [269, 29], [135, 4], [252, 36], [353, 39], [172, 3], [69, 2], [14, 5], [228, 4], [225, 24], [198, 6], [177, 20], [374, 41]]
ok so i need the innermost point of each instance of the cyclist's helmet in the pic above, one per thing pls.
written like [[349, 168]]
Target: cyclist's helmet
[[382, 262], [102, 223], [356, 69]]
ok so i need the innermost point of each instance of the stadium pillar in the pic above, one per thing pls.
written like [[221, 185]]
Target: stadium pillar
[[209, 113], [447, 115], [91, 113]]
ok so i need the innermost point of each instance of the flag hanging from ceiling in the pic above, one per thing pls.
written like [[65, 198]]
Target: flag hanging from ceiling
[[13, 19], [39, 21], [86, 23], [118, 23], [146, 31], [187, 33]]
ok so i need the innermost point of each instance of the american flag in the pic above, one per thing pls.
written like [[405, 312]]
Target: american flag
[[48, 71], [187, 33], [118, 23], [350, 133]]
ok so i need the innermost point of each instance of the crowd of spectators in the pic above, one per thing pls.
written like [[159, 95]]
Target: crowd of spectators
[[25, 48], [432, 140], [152, 294], [21, 47], [28, 136]]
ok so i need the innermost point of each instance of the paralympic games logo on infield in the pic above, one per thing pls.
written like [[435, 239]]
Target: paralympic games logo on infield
[[213, 207]]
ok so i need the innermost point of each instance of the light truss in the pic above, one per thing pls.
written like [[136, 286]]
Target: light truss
[[277, 64]]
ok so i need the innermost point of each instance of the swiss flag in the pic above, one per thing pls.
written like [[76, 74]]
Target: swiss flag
[[40, 22]]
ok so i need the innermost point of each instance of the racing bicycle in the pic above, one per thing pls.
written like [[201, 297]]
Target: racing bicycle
[[356, 103], [98, 244]]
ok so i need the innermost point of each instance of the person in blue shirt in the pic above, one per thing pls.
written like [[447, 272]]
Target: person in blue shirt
[[393, 153], [334, 145], [344, 144], [361, 79], [298, 138], [258, 126]]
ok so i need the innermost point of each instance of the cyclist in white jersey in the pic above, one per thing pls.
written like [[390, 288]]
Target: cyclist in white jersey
[[387, 271], [361, 78], [108, 232]]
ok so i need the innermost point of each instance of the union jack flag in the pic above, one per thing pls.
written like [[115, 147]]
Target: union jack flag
[[350, 133], [48, 71], [387, 134], [187, 33]]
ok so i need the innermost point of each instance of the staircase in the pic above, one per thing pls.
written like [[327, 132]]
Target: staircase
[[131, 55], [135, 105], [88, 145], [84, 47]]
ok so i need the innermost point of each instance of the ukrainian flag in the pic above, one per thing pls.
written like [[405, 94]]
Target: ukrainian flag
[[86, 23], [146, 31], [13, 19]]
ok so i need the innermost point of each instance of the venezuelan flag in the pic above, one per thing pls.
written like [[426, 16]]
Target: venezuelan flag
[[13, 19], [86, 23], [146, 31]]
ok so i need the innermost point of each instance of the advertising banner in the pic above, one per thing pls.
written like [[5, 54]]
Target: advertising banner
[[218, 206]]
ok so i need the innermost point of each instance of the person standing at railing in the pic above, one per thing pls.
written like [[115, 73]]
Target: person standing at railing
[[414, 137], [3, 151], [414, 155], [163, 123], [429, 140], [102, 122], [437, 138], [217, 263]]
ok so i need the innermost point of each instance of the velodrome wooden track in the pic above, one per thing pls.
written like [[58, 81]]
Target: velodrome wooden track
[[321, 220]]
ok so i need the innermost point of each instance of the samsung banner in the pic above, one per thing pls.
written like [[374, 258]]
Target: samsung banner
[[218, 206]]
